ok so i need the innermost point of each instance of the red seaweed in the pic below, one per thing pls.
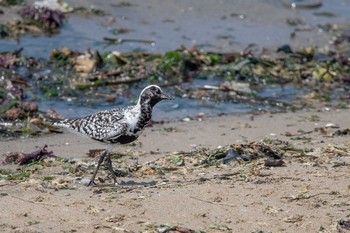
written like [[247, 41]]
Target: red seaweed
[[26, 158], [46, 18]]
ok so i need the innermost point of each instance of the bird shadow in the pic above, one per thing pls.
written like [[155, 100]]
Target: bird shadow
[[133, 183], [126, 184]]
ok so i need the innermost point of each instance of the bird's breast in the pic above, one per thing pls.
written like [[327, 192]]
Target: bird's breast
[[136, 120], [125, 139]]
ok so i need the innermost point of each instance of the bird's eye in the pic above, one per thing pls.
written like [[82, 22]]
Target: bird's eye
[[155, 90]]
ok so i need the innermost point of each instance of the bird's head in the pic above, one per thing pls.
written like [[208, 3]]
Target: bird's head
[[152, 95]]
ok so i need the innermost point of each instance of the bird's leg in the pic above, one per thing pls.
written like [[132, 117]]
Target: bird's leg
[[92, 181], [110, 168]]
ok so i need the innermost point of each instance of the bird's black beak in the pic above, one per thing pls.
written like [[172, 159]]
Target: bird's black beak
[[164, 96]]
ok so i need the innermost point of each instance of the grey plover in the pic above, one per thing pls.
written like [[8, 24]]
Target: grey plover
[[117, 126]]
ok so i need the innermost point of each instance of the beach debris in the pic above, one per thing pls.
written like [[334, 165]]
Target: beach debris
[[8, 60], [8, 3], [93, 153], [89, 11], [293, 218], [331, 125], [34, 20], [18, 175], [321, 130], [256, 150], [46, 19], [122, 30], [342, 132], [167, 229], [301, 132], [325, 74], [26, 158], [285, 48], [301, 138], [336, 151], [343, 225], [21, 111], [332, 154], [327, 131], [87, 63], [274, 163], [204, 157], [54, 5], [118, 41], [308, 4], [233, 155]]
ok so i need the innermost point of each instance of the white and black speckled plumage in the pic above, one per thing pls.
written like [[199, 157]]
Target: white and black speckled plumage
[[107, 126], [121, 125]]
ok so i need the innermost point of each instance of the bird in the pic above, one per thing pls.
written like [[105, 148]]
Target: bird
[[118, 125]]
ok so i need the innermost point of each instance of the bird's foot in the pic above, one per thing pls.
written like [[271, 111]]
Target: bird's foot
[[91, 183], [114, 176]]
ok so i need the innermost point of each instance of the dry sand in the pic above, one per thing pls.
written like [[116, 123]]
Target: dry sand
[[309, 194]]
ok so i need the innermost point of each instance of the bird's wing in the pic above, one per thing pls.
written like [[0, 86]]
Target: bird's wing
[[117, 124], [109, 124], [99, 126], [109, 133]]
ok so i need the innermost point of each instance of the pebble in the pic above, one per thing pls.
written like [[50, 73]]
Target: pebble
[[186, 119]]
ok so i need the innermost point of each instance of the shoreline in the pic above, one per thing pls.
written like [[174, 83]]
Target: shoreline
[[229, 129]]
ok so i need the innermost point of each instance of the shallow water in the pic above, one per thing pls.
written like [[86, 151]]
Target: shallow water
[[222, 26], [217, 26], [181, 108]]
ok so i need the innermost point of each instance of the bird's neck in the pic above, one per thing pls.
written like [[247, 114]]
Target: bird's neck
[[145, 110]]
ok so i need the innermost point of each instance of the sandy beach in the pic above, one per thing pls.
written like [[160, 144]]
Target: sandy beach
[[173, 178], [309, 194]]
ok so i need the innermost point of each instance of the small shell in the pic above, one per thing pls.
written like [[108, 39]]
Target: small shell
[[332, 125]]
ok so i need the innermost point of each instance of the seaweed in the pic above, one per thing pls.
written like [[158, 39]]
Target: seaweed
[[26, 158], [45, 18]]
